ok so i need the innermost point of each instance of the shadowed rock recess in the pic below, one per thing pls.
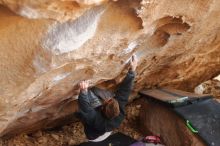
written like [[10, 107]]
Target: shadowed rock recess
[[48, 46]]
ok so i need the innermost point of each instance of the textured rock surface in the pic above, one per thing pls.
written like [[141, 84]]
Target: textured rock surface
[[159, 120], [42, 59], [209, 87], [61, 10]]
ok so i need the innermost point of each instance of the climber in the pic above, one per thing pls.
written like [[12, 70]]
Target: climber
[[100, 119]]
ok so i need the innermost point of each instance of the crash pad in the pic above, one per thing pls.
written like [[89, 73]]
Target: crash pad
[[201, 111], [173, 97], [117, 139], [204, 117]]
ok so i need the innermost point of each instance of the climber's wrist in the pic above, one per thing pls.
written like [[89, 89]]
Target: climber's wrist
[[84, 91]]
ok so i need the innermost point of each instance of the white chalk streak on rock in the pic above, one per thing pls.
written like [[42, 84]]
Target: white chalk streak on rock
[[66, 37]]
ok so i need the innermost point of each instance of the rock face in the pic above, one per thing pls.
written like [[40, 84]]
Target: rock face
[[209, 87], [48, 46], [61, 10]]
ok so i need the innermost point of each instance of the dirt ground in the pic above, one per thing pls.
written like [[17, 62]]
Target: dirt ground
[[70, 135]]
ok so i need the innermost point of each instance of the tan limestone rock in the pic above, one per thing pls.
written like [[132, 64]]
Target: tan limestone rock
[[61, 10], [59, 43]]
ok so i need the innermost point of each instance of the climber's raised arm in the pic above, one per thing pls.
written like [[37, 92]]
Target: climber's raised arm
[[86, 111], [125, 87]]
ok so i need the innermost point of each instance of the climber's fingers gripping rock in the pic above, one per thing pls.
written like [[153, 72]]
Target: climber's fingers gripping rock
[[133, 62], [83, 85]]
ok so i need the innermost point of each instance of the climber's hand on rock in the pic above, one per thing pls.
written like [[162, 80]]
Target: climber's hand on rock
[[83, 85], [133, 62]]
